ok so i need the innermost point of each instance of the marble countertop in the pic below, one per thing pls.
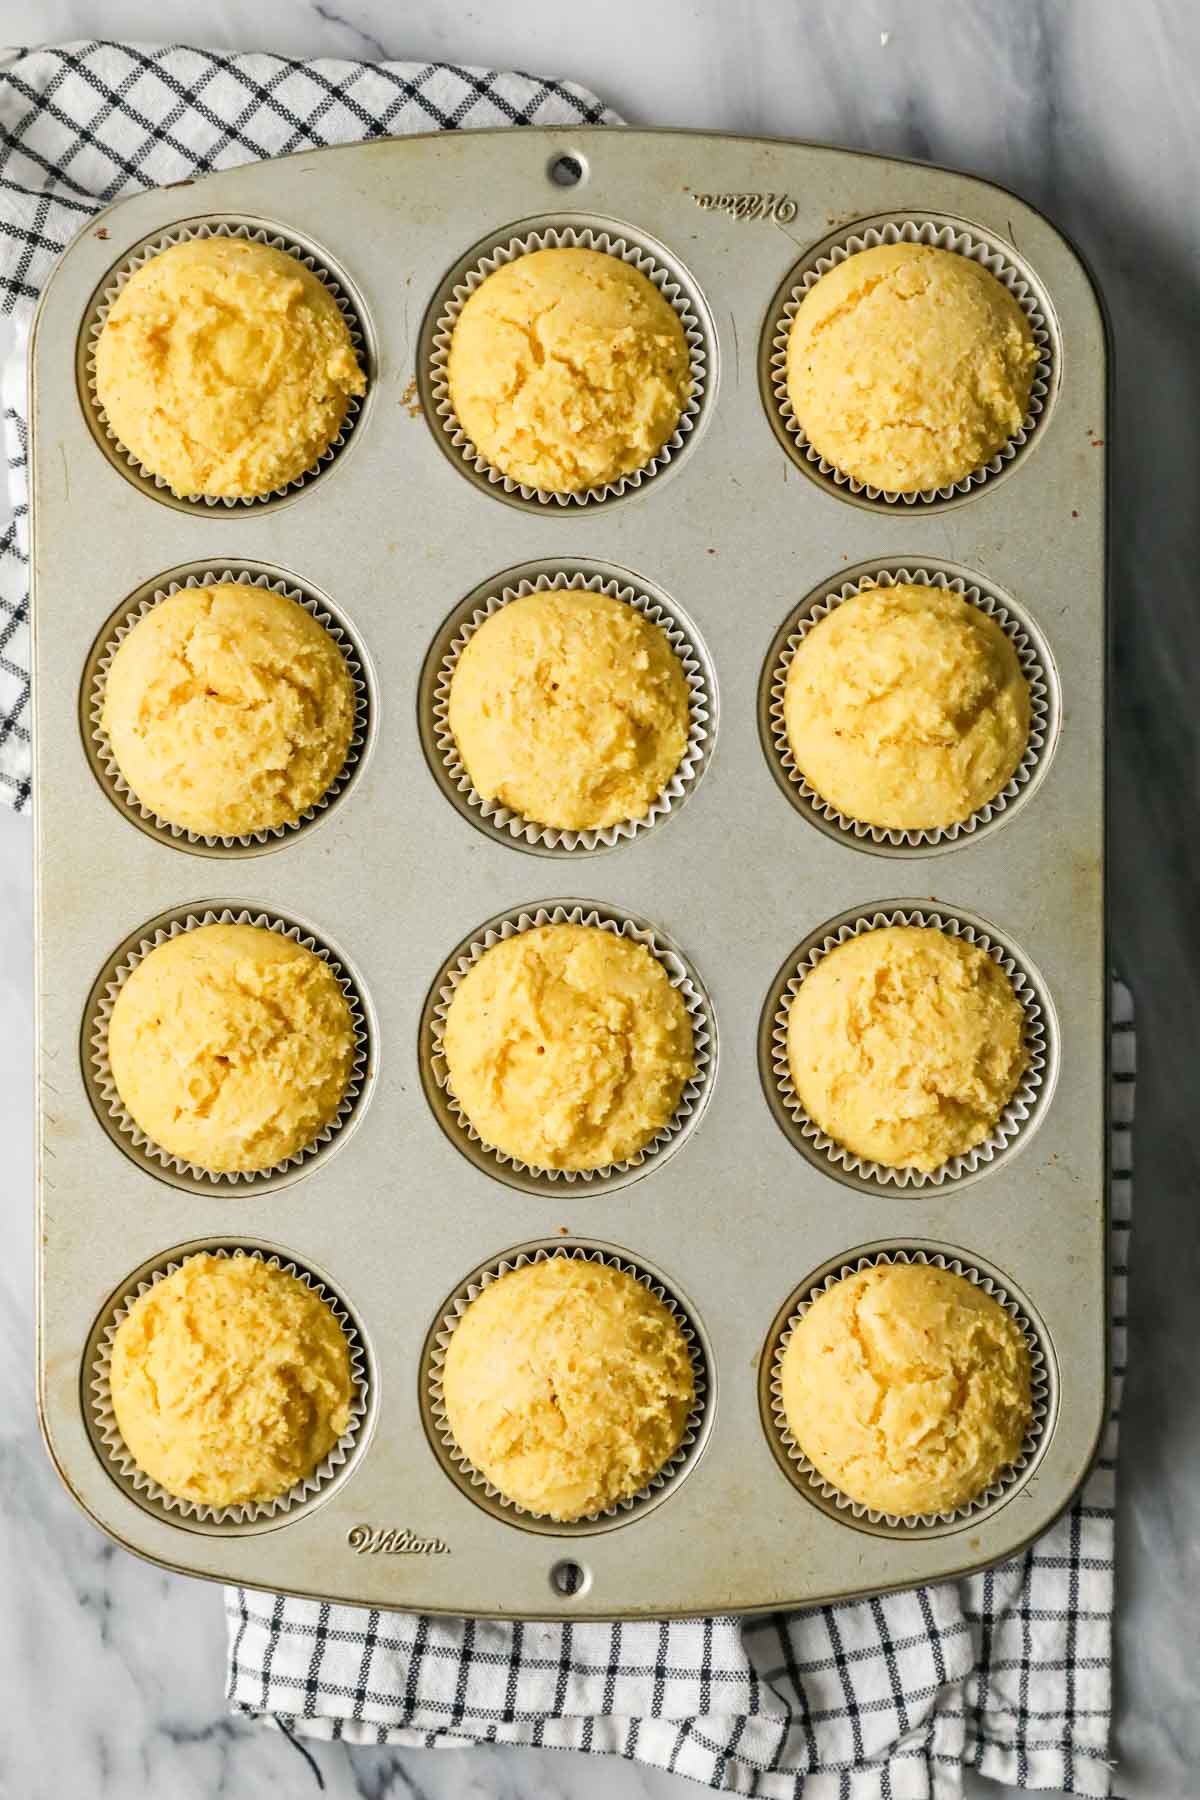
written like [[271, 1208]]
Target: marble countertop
[[112, 1671]]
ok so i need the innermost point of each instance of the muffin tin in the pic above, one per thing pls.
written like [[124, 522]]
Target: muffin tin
[[400, 539]]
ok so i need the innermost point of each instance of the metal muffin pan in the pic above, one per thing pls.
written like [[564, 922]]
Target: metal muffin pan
[[395, 535]]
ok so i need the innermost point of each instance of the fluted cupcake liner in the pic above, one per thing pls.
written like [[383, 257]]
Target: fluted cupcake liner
[[469, 1477], [513, 826], [1004, 1481], [551, 237], [124, 1129], [1033, 666], [527, 919], [246, 1512], [903, 230], [109, 769], [1016, 1113], [102, 305]]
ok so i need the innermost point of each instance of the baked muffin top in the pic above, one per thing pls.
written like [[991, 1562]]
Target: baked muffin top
[[568, 369], [909, 366], [908, 1387], [231, 1046], [229, 709], [567, 1047], [231, 1381], [570, 708], [226, 367], [905, 1045], [907, 707], [568, 1384]]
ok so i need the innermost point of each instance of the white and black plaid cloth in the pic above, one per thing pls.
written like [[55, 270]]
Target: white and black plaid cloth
[[1008, 1672]]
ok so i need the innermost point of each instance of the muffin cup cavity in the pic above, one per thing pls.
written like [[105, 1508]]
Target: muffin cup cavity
[[992, 254], [511, 827], [111, 1447], [1036, 666], [99, 750], [119, 1123], [649, 260], [105, 297], [815, 1486], [476, 1485], [451, 1115], [1018, 1119]]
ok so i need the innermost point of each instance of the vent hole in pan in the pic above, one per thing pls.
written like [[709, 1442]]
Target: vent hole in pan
[[570, 1578], [567, 171]]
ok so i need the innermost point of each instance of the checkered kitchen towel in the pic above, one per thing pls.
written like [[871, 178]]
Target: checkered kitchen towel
[[84, 124], [889, 1699], [1008, 1672]]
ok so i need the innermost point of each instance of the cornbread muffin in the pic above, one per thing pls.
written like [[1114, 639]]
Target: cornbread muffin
[[909, 366], [230, 1381], [568, 1385], [907, 707], [908, 1388], [905, 1045], [567, 1047], [226, 367], [229, 709], [568, 369], [570, 708], [231, 1046]]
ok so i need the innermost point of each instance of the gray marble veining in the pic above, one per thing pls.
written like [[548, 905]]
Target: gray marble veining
[[112, 1671]]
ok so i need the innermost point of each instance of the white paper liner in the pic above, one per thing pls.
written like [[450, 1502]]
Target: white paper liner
[[179, 234], [1032, 667], [942, 237], [471, 1290], [1011, 1120], [501, 818], [525, 919], [122, 1124], [107, 762], [574, 238], [242, 1512], [1005, 1479]]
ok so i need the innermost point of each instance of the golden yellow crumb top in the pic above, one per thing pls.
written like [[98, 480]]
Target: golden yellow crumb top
[[908, 1388], [231, 1381], [905, 1045], [568, 369], [570, 708], [229, 709], [567, 1384], [231, 1046], [907, 707], [909, 366], [226, 367], [567, 1047]]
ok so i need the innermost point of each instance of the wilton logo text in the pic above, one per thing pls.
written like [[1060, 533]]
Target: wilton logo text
[[779, 207], [381, 1540]]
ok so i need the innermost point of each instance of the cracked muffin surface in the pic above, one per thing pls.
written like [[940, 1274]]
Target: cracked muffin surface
[[226, 367], [568, 369], [231, 1380], [567, 1384], [570, 708], [567, 1047], [905, 1044], [229, 709], [231, 1046], [906, 707], [908, 1387], [909, 366]]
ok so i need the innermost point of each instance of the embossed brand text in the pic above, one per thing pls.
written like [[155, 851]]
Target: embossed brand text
[[779, 207], [384, 1540]]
